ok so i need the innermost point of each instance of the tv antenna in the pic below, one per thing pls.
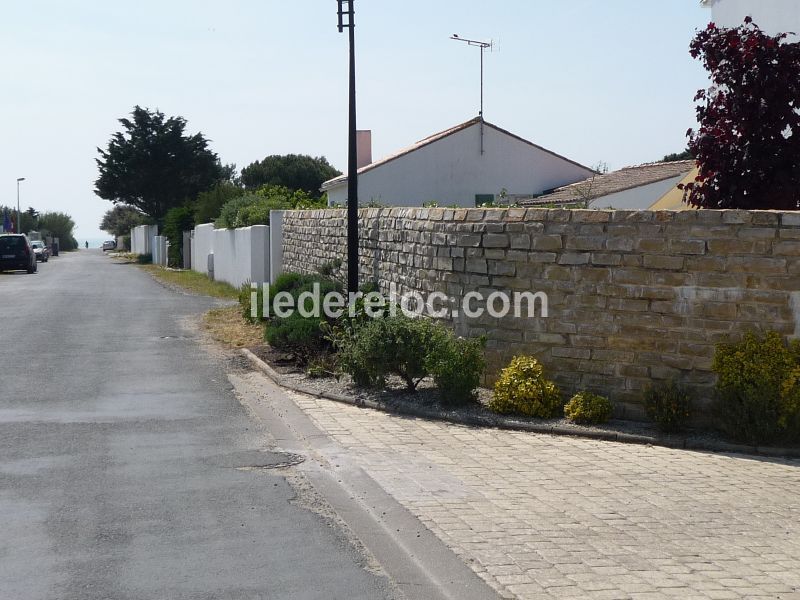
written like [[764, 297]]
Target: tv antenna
[[483, 46]]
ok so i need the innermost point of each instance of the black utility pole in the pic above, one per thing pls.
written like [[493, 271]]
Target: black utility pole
[[347, 21]]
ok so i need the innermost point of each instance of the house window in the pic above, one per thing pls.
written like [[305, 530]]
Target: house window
[[483, 199]]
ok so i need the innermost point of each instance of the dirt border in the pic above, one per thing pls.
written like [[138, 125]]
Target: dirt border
[[501, 422]]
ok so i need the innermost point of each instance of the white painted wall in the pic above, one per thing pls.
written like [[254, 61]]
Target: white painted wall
[[240, 255], [640, 198], [142, 239], [160, 248], [773, 16], [202, 246], [453, 171]]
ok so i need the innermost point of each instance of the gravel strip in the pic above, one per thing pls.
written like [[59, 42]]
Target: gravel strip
[[424, 403]]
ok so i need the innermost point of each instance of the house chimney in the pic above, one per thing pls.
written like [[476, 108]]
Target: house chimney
[[364, 147]]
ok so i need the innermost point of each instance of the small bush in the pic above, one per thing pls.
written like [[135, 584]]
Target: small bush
[[322, 365], [304, 337], [300, 336], [399, 345], [585, 407], [329, 268], [457, 365], [669, 405], [246, 301], [522, 389], [144, 259], [758, 396], [748, 415]]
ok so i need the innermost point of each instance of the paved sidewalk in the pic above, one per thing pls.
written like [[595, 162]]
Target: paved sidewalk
[[539, 516]]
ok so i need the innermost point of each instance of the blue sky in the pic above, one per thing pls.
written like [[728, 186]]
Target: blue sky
[[595, 81]]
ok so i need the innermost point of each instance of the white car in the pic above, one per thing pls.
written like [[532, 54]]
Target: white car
[[109, 245], [41, 250]]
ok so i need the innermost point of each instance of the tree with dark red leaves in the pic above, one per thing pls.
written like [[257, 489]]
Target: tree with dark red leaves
[[748, 144]]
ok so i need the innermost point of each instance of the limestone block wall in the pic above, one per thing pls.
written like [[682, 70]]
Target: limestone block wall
[[633, 296]]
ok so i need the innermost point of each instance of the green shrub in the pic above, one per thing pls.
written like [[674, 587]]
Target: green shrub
[[144, 259], [585, 407], [758, 396], [304, 337], [209, 204], [300, 336], [395, 344], [294, 284], [253, 208], [669, 404], [329, 268], [523, 389], [457, 365], [245, 301], [322, 365], [176, 221]]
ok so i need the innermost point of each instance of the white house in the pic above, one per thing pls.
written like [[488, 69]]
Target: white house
[[642, 187], [773, 16], [466, 165]]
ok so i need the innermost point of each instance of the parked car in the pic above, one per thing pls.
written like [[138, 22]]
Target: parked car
[[16, 253], [41, 250], [109, 245]]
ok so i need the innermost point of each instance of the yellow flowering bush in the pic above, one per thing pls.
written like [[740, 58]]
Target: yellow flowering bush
[[758, 389], [586, 407], [523, 389]]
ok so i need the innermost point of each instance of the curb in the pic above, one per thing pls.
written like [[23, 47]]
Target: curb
[[500, 422]]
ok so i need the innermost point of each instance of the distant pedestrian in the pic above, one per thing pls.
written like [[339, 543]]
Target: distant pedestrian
[[87, 245]]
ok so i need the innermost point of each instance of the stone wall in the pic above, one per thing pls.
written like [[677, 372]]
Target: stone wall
[[634, 296]]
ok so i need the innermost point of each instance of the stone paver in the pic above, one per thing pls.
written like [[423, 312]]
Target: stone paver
[[539, 516]]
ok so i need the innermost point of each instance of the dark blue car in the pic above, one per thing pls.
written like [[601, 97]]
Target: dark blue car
[[16, 253]]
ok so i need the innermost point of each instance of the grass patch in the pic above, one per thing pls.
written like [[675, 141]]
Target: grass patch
[[226, 325], [194, 282]]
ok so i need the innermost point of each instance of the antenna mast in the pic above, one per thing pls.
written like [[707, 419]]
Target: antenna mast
[[483, 46]]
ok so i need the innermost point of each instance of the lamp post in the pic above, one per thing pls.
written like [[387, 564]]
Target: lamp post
[[346, 21], [19, 224]]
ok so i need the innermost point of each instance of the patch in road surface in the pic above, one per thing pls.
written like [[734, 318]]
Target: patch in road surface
[[257, 459]]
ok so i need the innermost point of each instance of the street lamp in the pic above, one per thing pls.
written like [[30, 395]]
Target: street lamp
[[19, 224], [346, 21]]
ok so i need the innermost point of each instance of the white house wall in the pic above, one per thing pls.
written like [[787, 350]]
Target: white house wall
[[773, 16], [453, 171], [640, 198]]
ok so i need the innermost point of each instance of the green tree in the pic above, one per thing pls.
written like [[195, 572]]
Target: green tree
[[676, 156], [153, 165], [209, 204], [294, 171], [29, 220], [60, 225], [253, 208], [176, 221], [121, 219]]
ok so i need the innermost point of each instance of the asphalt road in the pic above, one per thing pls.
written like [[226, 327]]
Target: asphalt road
[[121, 447]]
